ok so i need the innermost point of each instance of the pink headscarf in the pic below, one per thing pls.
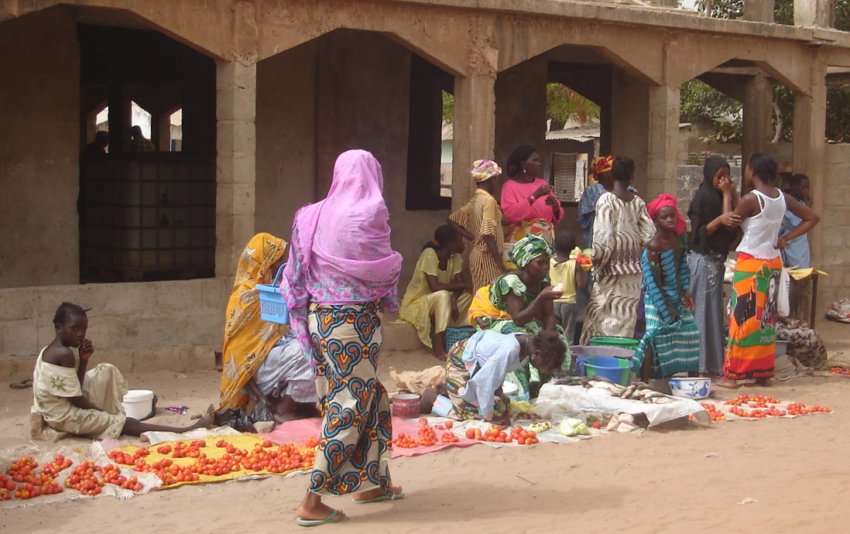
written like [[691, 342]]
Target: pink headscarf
[[342, 243], [664, 200]]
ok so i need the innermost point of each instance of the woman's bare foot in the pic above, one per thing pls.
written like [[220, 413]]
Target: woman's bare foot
[[439, 353], [377, 492], [764, 382], [313, 509], [207, 420], [725, 382]]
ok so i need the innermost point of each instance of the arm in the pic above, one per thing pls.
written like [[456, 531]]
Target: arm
[[810, 219], [685, 277], [602, 234], [65, 358], [460, 220], [515, 207], [581, 277], [434, 283], [489, 227], [522, 314]]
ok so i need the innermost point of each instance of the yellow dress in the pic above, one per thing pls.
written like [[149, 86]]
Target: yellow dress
[[420, 303]]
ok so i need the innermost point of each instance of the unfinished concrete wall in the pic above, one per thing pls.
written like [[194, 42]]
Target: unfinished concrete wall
[[286, 138], [835, 226], [39, 150], [158, 325], [630, 112]]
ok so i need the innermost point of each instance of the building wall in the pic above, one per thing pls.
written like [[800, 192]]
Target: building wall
[[39, 150], [154, 325], [835, 226]]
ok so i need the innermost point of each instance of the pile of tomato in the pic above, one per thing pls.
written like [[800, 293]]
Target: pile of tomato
[[497, 434], [22, 480], [426, 436], [713, 413], [264, 456], [760, 406], [839, 371]]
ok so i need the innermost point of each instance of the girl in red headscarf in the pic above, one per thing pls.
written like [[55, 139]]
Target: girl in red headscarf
[[671, 342]]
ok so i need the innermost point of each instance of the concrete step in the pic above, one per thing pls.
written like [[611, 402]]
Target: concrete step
[[400, 336]]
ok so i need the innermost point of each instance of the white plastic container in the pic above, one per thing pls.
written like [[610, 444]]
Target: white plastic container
[[138, 403]]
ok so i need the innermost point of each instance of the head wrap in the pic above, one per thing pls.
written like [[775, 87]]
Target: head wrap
[[602, 164], [712, 165], [517, 158], [664, 201], [484, 169], [528, 248]]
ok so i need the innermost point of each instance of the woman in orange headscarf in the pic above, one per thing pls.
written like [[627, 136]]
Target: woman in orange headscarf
[[260, 360]]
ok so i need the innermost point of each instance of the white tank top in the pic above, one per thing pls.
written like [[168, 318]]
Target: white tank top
[[761, 231]]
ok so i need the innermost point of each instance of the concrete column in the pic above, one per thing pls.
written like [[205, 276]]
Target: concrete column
[[758, 110], [630, 123], [474, 120], [809, 147], [236, 90], [521, 110], [663, 142], [759, 10], [813, 13]]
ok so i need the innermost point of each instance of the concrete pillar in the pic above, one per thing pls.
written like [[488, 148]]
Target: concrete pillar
[[474, 120], [236, 91], [759, 10], [809, 146], [630, 123], [758, 111], [663, 142], [813, 13]]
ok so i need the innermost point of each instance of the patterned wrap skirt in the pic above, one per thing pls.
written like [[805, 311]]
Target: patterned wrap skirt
[[356, 441]]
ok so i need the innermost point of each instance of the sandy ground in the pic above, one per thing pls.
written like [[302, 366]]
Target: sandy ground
[[793, 472]]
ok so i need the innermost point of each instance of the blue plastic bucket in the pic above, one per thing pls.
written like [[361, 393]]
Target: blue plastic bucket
[[616, 370], [273, 307]]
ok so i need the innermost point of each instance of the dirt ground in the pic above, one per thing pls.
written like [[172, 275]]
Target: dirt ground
[[780, 475]]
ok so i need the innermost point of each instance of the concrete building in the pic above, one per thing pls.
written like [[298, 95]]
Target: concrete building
[[272, 90]]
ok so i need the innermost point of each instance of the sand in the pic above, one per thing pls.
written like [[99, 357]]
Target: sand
[[791, 473]]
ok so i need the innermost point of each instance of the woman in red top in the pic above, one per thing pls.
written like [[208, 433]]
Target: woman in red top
[[528, 202]]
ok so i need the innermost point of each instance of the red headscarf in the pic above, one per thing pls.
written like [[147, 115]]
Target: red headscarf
[[602, 164], [664, 200]]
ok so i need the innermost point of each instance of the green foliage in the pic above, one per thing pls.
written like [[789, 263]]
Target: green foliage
[[837, 113], [563, 104], [448, 108], [699, 101], [783, 11]]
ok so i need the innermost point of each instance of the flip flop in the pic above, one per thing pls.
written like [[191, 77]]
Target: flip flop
[[390, 496], [23, 384], [332, 518]]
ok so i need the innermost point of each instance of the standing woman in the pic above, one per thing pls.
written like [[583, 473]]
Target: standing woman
[[752, 325], [621, 229], [714, 227], [480, 221], [341, 274], [528, 203], [601, 169]]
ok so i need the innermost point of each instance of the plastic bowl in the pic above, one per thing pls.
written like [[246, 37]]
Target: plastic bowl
[[406, 405], [617, 370], [690, 388], [138, 403], [621, 342], [509, 388]]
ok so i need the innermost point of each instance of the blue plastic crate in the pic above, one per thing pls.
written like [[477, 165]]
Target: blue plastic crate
[[455, 334]]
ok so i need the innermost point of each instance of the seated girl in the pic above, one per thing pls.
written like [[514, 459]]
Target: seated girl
[[671, 342], [477, 367], [71, 399], [437, 290], [527, 298], [265, 374]]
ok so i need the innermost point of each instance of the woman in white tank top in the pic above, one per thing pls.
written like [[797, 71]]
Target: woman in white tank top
[[752, 325]]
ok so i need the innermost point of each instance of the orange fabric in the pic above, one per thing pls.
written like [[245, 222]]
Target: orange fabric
[[247, 338], [482, 308]]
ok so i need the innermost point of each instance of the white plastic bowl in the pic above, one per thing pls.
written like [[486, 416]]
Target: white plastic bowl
[[138, 403], [691, 388], [509, 388]]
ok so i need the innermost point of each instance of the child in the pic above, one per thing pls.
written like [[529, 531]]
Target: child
[[477, 368], [437, 290], [671, 342], [563, 273], [69, 399]]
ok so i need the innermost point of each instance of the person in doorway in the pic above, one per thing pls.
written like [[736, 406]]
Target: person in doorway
[[671, 342], [601, 169], [437, 290], [480, 221], [138, 142], [97, 148], [752, 328], [797, 253], [621, 230], [528, 201], [342, 272], [70, 398], [714, 228]]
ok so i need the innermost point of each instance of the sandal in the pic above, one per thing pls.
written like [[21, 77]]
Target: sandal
[[334, 517]]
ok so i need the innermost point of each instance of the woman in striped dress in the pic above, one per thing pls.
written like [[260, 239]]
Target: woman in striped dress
[[621, 229], [671, 342]]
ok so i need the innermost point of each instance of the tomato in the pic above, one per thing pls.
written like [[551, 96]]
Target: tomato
[[449, 425]]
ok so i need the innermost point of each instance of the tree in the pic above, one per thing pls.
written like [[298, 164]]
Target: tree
[[563, 104], [699, 101]]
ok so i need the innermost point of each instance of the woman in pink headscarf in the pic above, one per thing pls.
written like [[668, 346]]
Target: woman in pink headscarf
[[342, 273], [671, 342]]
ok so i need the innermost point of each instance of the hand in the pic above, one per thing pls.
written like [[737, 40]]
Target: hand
[[549, 293], [541, 191], [781, 243], [730, 220], [727, 186], [687, 301], [552, 201], [86, 350]]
